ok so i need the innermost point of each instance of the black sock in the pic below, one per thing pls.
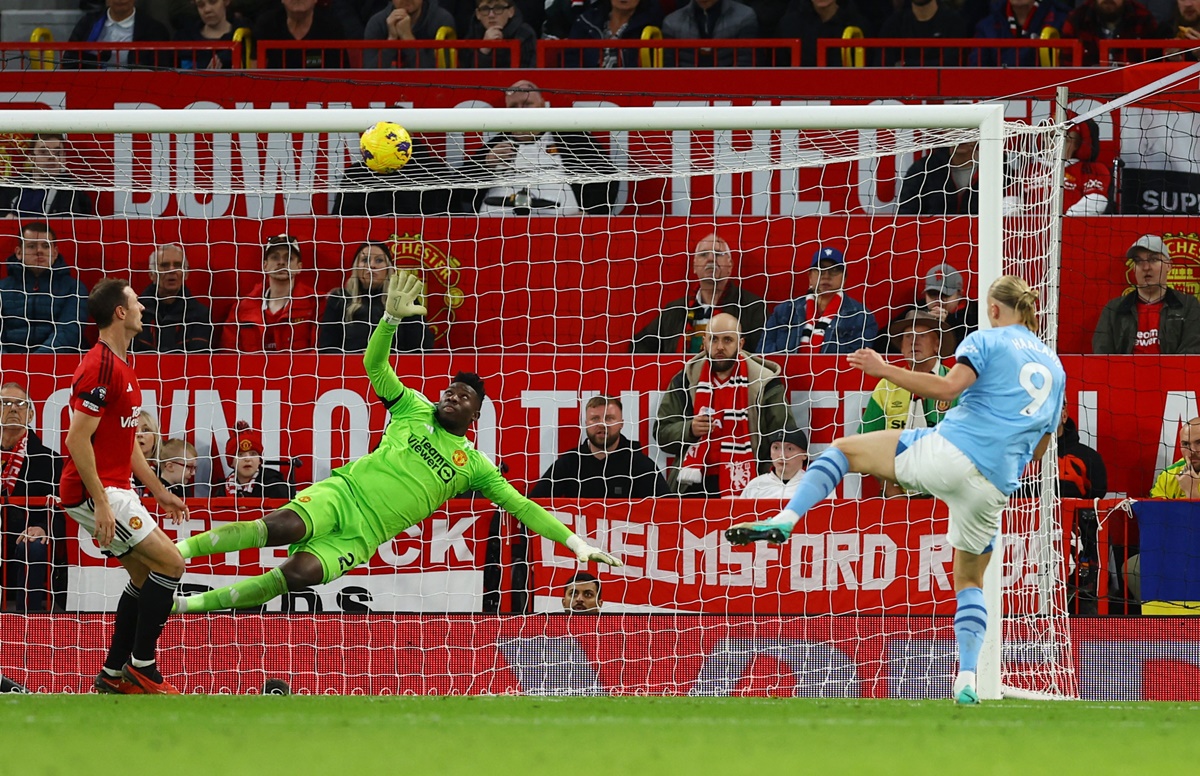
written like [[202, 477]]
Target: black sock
[[154, 606], [126, 626]]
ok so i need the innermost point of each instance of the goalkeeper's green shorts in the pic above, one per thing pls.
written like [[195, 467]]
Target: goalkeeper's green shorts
[[337, 533]]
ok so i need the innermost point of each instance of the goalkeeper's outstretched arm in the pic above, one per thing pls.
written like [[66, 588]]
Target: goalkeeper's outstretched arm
[[403, 291], [505, 496]]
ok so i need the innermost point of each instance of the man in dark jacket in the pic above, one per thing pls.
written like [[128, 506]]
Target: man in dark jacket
[[1156, 318], [32, 532], [945, 182], [42, 305], [715, 20], [406, 20], [922, 19], [1016, 20], [1081, 472], [174, 321], [119, 22], [606, 465], [680, 327], [45, 188], [1097, 20]]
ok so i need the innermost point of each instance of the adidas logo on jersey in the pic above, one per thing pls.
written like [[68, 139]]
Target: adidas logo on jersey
[[128, 388]]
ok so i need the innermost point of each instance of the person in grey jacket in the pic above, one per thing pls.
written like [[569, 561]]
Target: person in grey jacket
[[41, 303], [406, 20], [1154, 318], [711, 20], [679, 426]]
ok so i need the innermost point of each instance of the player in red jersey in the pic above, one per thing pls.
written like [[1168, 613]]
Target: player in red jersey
[[96, 490]]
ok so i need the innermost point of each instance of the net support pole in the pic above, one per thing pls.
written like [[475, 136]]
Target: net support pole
[[991, 267]]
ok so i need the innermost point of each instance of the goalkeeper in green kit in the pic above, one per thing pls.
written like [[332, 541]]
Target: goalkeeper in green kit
[[423, 460]]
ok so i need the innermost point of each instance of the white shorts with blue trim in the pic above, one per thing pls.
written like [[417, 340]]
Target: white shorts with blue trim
[[927, 462]]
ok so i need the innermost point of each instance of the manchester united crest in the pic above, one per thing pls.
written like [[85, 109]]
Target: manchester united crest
[[942, 405], [135, 523], [459, 458], [304, 499], [440, 273]]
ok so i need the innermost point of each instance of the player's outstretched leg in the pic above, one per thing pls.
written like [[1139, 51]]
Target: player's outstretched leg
[[240, 595], [249, 535], [823, 475]]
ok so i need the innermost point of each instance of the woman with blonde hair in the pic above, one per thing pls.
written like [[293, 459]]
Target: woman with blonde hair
[[352, 311], [149, 439], [1010, 386]]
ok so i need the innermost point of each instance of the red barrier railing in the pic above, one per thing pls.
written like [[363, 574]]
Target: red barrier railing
[[747, 52], [177, 55], [1120, 52], [340, 54], [953, 52]]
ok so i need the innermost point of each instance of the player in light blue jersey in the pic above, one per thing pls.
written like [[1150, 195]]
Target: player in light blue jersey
[[1010, 387]]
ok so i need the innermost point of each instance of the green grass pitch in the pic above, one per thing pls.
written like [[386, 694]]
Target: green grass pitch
[[336, 736]]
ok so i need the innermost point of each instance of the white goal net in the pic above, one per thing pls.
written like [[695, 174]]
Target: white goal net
[[567, 254]]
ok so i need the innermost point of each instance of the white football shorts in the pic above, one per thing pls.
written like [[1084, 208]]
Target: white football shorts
[[931, 464], [134, 523]]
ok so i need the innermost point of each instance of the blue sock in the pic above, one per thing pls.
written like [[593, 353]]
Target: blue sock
[[970, 622], [823, 475]]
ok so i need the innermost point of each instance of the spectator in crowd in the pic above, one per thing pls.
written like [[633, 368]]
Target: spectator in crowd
[[1081, 470], [1179, 481], [28, 470], [811, 20], [561, 15], [1016, 20], [825, 320], [45, 188], [1156, 318], [715, 20], [404, 192], [497, 20], [280, 313], [582, 594], [918, 337], [1097, 20], [606, 465], [174, 321], [250, 478], [1086, 182], [922, 19], [177, 467], [149, 439], [551, 156], [118, 22], [406, 20], [301, 20], [611, 20], [352, 311], [41, 302], [716, 412], [212, 26], [944, 298], [944, 182], [1183, 24], [789, 455], [680, 327]]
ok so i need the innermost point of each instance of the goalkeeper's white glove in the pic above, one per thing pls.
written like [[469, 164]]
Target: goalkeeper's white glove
[[585, 552], [403, 291]]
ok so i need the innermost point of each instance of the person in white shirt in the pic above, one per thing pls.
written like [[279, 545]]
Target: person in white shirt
[[789, 456]]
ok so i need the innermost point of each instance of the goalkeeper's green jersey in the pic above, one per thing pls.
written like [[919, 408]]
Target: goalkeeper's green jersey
[[419, 465], [892, 407]]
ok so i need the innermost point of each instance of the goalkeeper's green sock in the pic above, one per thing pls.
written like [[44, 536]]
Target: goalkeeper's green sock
[[249, 592], [228, 538]]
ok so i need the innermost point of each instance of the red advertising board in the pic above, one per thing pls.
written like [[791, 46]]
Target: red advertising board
[[322, 410], [625, 654]]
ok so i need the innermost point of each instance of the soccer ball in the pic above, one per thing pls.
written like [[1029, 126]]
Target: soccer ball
[[386, 147]]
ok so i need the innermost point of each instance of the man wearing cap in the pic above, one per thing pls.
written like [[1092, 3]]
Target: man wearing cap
[[1155, 319], [249, 478], [917, 337], [825, 320], [789, 454], [280, 314], [680, 327], [945, 299]]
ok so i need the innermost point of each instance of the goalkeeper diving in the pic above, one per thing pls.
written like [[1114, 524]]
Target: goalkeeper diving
[[423, 460]]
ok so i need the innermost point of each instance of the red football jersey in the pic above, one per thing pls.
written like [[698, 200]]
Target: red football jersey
[[105, 387]]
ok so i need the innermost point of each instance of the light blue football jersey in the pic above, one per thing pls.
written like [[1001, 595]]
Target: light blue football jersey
[[1016, 398]]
